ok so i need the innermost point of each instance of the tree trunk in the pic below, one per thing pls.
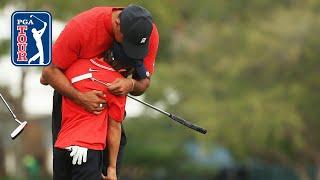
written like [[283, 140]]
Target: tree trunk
[[2, 173], [317, 170], [19, 152]]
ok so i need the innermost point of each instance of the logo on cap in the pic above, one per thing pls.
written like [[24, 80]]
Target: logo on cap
[[31, 38], [143, 40]]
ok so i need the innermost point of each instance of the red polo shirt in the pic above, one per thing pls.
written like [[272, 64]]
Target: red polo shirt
[[89, 34], [79, 127]]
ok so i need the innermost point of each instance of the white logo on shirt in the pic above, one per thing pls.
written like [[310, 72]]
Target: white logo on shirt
[[93, 70], [143, 40]]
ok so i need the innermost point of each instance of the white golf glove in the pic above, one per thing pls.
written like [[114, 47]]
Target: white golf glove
[[78, 153]]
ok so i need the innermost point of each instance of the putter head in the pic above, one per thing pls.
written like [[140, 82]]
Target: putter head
[[18, 130]]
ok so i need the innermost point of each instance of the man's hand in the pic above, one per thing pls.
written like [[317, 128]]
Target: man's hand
[[78, 154], [111, 174], [43, 80], [92, 101], [121, 86]]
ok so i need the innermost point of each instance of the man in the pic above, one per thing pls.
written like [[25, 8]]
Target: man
[[88, 35]]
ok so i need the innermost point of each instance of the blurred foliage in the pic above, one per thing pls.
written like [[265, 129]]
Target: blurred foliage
[[247, 70], [4, 46]]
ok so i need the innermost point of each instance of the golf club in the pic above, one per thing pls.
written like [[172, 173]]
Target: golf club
[[172, 116], [36, 18], [21, 126]]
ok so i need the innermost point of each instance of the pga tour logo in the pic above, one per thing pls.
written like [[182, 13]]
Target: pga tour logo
[[31, 38]]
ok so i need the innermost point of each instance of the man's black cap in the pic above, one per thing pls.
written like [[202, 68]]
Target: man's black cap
[[120, 56], [136, 27]]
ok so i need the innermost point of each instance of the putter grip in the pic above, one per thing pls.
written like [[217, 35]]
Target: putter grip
[[188, 124]]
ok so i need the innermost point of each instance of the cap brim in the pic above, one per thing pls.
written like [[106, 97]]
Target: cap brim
[[135, 51]]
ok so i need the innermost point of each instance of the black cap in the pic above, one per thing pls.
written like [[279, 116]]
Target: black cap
[[120, 56], [136, 27]]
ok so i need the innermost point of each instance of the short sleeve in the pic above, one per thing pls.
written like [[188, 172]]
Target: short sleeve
[[149, 60], [66, 49], [116, 107]]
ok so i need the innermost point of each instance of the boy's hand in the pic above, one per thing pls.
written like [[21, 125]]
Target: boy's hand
[[111, 174], [78, 154]]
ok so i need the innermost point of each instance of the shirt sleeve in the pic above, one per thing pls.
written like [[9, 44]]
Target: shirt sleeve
[[116, 107], [66, 49], [149, 60]]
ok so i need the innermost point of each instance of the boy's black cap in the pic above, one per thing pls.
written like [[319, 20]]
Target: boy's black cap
[[136, 27], [120, 56]]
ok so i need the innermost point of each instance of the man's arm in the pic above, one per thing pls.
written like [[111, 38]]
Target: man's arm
[[123, 86], [140, 86], [65, 52], [89, 100], [113, 139]]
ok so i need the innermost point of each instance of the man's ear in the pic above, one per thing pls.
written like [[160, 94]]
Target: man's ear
[[118, 21]]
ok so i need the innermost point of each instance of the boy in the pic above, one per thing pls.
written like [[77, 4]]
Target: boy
[[87, 132]]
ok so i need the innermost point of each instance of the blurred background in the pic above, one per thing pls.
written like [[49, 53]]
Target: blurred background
[[247, 70]]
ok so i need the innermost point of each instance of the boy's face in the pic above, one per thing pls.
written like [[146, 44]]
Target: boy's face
[[123, 69]]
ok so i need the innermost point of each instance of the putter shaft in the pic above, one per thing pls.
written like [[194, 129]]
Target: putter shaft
[[147, 104], [173, 117], [5, 102], [17, 121]]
